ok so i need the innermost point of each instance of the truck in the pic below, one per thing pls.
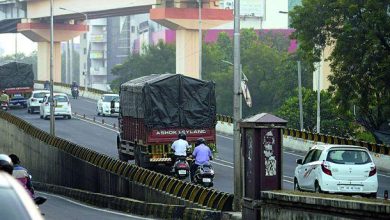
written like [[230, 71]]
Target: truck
[[17, 80], [154, 109]]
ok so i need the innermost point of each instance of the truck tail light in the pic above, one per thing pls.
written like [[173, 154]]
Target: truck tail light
[[372, 171], [326, 168]]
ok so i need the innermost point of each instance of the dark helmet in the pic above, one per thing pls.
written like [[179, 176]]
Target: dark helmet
[[200, 141], [6, 163], [182, 136], [15, 159]]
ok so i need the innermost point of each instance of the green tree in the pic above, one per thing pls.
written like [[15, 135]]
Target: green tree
[[359, 33], [333, 120]]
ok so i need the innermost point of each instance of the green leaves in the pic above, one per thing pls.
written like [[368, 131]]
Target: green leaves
[[359, 32]]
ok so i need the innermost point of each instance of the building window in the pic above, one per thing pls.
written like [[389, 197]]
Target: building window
[[85, 66], [85, 36], [85, 51], [132, 29]]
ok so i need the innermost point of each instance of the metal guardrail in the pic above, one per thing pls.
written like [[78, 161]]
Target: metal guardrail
[[205, 197]]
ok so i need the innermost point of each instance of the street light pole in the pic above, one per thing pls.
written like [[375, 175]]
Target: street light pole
[[300, 96], [200, 37], [87, 47], [236, 111], [52, 125]]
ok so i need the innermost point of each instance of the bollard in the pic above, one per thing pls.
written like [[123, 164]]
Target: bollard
[[102, 121], [114, 125], [386, 195], [94, 119], [84, 116]]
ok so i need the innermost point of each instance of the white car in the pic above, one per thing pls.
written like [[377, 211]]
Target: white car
[[104, 104], [33, 102], [15, 202], [343, 169], [61, 106]]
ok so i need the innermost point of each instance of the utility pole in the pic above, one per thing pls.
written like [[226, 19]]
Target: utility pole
[[52, 130], [318, 98], [237, 111], [200, 37], [300, 96]]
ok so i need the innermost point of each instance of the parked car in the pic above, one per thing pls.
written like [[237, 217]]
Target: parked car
[[104, 104], [33, 102], [17, 100], [15, 202], [62, 106], [344, 169]]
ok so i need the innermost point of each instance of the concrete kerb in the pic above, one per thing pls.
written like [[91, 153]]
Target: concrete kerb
[[156, 210]]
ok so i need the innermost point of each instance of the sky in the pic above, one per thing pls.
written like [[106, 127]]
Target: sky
[[7, 44]]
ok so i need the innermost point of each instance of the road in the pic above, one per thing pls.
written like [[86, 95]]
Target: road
[[102, 138], [62, 208]]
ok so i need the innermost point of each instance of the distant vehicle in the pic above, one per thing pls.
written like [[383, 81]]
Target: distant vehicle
[[16, 78], [104, 104], [344, 169], [15, 202], [4, 106], [18, 100], [61, 104], [33, 102]]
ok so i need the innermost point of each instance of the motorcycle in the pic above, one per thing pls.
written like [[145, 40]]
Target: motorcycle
[[181, 168], [4, 106], [204, 175], [75, 92]]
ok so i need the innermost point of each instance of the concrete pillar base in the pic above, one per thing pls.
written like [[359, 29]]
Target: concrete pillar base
[[44, 61]]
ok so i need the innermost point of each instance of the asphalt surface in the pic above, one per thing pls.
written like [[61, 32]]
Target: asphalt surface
[[88, 130], [62, 208]]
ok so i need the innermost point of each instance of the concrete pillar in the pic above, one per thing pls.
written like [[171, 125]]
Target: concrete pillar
[[43, 64], [186, 23], [187, 52]]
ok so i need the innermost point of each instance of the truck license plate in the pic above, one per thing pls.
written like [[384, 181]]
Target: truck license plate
[[206, 180], [182, 172]]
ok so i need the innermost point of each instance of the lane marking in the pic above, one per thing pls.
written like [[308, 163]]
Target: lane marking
[[222, 164], [91, 207], [297, 155], [94, 123], [384, 175], [220, 135], [224, 161]]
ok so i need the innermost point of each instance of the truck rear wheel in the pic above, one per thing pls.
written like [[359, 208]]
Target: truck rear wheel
[[123, 157]]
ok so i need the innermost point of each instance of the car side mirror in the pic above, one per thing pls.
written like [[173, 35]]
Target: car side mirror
[[299, 161], [40, 101]]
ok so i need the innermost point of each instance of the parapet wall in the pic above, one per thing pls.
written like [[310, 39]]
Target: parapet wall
[[56, 161]]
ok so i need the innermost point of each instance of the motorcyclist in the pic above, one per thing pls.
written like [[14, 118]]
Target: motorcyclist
[[202, 155], [6, 163], [180, 147], [75, 89], [46, 85], [20, 173], [4, 97]]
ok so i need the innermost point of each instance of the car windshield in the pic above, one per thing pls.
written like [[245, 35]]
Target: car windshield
[[108, 98], [61, 98], [39, 95], [10, 205], [348, 157]]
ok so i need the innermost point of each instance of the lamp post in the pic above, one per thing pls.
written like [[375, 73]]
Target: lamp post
[[238, 189], [200, 37], [299, 88], [52, 125], [86, 40]]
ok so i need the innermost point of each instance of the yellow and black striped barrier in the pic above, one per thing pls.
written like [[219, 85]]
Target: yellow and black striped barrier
[[375, 148]]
